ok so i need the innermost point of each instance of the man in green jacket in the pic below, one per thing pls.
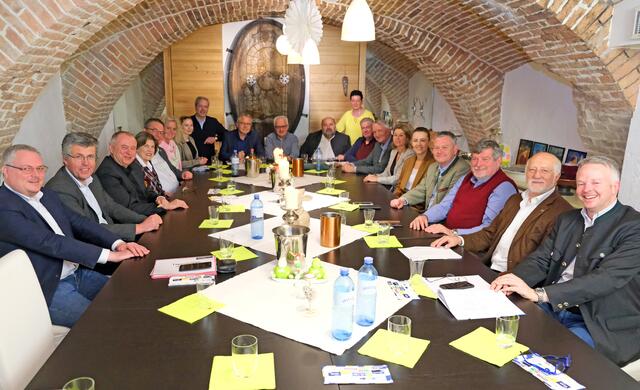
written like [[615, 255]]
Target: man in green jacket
[[440, 176]]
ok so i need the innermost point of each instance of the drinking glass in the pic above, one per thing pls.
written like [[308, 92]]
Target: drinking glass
[[81, 383], [506, 331], [331, 173], [343, 217], [383, 232], [213, 214], [204, 281], [402, 325], [416, 267], [226, 248], [231, 185], [219, 173], [368, 216], [244, 355], [344, 196]]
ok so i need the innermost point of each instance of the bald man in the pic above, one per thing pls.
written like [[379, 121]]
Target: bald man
[[525, 220]]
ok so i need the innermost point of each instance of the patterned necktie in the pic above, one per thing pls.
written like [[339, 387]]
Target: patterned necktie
[[152, 181]]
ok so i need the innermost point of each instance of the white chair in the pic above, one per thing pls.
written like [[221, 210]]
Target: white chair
[[633, 369], [27, 337]]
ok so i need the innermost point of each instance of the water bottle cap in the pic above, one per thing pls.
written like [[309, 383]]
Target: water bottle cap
[[256, 196], [368, 260], [344, 272]]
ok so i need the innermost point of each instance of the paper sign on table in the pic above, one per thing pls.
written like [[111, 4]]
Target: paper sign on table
[[239, 253], [345, 206], [330, 191], [555, 381], [227, 191], [222, 377], [375, 242], [481, 343], [420, 287], [316, 172], [394, 347], [373, 228], [219, 224], [231, 208], [357, 375], [419, 253], [220, 179], [191, 308]]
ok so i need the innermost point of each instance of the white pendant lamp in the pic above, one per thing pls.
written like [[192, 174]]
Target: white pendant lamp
[[358, 25], [294, 58], [282, 45]]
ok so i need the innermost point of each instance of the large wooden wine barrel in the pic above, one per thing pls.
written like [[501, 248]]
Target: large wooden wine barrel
[[259, 81]]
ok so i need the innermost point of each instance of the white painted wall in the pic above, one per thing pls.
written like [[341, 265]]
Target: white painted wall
[[421, 97], [44, 126], [127, 112], [229, 32], [630, 180], [539, 108], [445, 119]]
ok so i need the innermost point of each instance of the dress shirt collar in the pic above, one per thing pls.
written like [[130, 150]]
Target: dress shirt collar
[[332, 136], [442, 169], [143, 163], [386, 144], [80, 184], [35, 198], [588, 222], [536, 200]]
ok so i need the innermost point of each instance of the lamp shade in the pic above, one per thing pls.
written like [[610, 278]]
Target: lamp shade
[[282, 45], [358, 23], [310, 53]]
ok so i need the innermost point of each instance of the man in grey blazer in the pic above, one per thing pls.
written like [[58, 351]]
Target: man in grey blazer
[[377, 160], [586, 273], [81, 191]]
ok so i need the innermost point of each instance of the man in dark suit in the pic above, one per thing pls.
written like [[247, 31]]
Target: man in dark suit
[[523, 223], [587, 271], [81, 191], [377, 160], [206, 129], [63, 246], [242, 140], [332, 144], [114, 175]]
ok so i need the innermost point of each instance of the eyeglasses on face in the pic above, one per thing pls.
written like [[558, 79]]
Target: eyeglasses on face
[[40, 170], [90, 157]]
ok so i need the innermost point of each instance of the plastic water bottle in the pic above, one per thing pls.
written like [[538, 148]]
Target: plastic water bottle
[[367, 293], [235, 163], [257, 218], [343, 301], [317, 157]]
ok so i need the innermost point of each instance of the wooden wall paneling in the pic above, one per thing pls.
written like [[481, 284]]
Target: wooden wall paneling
[[196, 70], [337, 59]]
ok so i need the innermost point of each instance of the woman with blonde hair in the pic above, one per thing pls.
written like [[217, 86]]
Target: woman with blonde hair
[[415, 167], [187, 145], [399, 154]]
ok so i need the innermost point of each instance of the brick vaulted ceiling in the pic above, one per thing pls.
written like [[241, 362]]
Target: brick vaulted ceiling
[[464, 47]]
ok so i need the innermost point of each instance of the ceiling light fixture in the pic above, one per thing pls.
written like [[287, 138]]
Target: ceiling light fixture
[[303, 31], [358, 25]]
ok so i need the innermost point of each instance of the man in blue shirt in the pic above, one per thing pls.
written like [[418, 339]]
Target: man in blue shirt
[[242, 140]]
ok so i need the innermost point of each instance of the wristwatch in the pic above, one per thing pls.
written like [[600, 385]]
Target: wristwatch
[[540, 293]]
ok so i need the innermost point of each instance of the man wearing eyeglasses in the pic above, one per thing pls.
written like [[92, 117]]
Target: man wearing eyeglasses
[[63, 246], [586, 273], [242, 140], [81, 191], [281, 138]]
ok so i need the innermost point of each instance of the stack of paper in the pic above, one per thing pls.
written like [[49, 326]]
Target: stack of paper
[[167, 268], [473, 303], [419, 253]]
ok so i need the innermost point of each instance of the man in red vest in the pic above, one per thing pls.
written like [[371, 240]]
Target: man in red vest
[[476, 198]]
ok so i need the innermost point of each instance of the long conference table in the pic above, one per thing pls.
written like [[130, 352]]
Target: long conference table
[[124, 342]]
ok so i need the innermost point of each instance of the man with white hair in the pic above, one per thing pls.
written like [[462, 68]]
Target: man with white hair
[[586, 273], [377, 160], [523, 223], [281, 138]]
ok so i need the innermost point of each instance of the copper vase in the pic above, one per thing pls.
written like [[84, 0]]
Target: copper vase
[[330, 229]]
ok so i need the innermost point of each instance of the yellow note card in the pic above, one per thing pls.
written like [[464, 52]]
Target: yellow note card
[[220, 179], [334, 181], [239, 253], [314, 171], [218, 166], [395, 348], [481, 343], [377, 242], [231, 208], [191, 308], [226, 171], [223, 378], [227, 191], [346, 206], [373, 228], [330, 191], [420, 287], [219, 224]]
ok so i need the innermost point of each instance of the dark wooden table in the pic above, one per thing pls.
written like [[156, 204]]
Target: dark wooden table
[[123, 342]]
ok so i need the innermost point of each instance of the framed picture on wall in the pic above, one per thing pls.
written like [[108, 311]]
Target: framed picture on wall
[[524, 151], [574, 157], [538, 147], [556, 151]]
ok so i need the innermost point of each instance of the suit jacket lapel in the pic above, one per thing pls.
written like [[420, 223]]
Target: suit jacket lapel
[[536, 214]]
